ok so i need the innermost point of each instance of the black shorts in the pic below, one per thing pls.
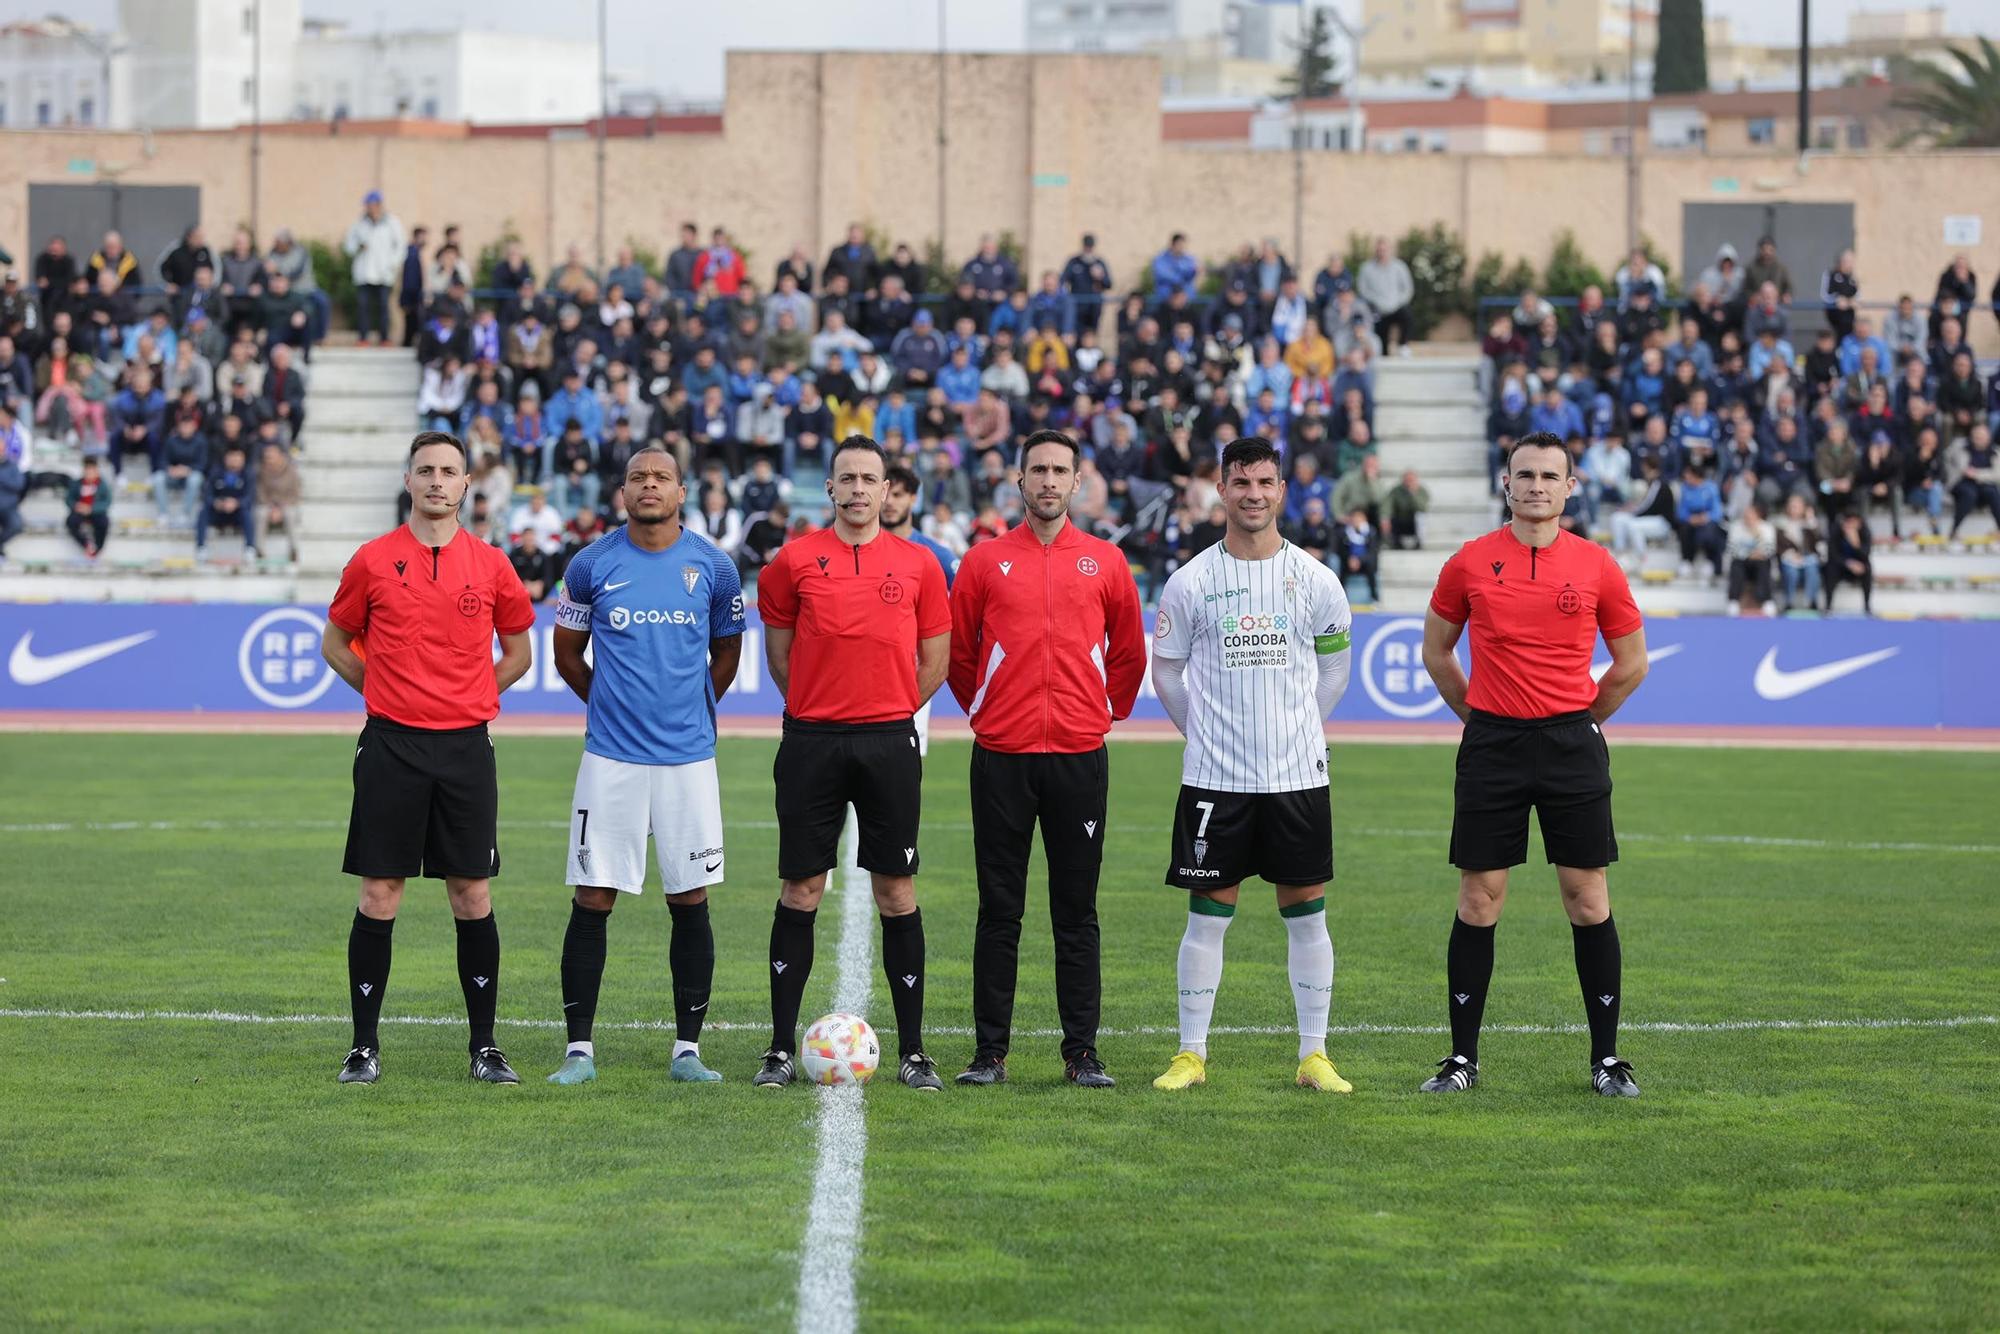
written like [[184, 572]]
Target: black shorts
[[1223, 838], [426, 803], [1560, 766], [822, 768]]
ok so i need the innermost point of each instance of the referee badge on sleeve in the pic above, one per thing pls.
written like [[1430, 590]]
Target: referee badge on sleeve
[[1163, 625]]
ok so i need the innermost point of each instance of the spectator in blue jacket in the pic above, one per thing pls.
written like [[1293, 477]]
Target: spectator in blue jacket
[[1011, 317], [1645, 390], [1785, 464], [918, 351], [179, 475], [703, 372], [138, 421], [1864, 336], [1699, 517], [1308, 483], [1086, 278], [993, 275], [1691, 347], [1052, 304], [229, 500], [1174, 269], [1555, 413], [573, 403], [959, 379]]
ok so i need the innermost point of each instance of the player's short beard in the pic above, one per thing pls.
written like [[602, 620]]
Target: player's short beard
[[909, 504], [632, 513]]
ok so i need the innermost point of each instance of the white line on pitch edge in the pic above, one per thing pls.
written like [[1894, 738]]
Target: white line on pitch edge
[[832, 1246], [1667, 1026]]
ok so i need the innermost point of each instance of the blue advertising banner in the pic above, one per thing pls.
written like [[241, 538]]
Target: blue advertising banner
[[1705, 671]]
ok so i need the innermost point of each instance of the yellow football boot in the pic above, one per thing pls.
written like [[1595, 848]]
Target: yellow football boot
[[1316, 1072], [1187, 1070]]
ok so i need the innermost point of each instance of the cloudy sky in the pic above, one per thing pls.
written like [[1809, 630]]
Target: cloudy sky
[[676, 46]]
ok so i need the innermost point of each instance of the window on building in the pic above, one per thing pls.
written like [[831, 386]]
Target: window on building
[[1411, 141], [1857, 134], [45, 112], [1621, 142], [1762, 130], [1826, 135], [86, 110], [1697, 136], [1436, 141]]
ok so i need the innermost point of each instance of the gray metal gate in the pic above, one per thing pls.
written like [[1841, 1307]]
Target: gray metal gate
[[1809, 236], [150, 217]]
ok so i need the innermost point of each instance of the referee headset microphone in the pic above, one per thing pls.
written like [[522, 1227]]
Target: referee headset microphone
[[435, 479], [1550, 502]]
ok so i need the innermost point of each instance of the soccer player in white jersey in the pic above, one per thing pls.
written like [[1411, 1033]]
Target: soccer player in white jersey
[[1250, 654], [663, 608]]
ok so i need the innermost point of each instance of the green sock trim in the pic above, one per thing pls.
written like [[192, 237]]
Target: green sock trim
[[1203, 906], [1306, 909]]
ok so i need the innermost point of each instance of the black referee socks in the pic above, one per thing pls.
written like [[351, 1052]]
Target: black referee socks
[[691, 955], [1468, 970], [1598, 964], [368, 975], [582, 968], [903, 961], [479, 975], [791, 965]]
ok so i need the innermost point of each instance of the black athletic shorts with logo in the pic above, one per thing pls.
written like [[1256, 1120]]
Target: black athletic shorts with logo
[[1560, 766], [1224, 838], [823, 767], [426, 803]]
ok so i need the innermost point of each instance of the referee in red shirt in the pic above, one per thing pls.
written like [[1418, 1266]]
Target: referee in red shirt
[[1536, 599], [857, 631], [424, 602], [1048, 647]]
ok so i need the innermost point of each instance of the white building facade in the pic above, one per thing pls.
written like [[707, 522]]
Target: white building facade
[[1248, 30], [54, 73]]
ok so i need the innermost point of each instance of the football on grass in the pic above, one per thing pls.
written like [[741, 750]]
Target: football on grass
[[840, 1049]]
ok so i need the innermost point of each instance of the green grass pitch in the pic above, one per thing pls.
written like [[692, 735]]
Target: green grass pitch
[[193, 1173]]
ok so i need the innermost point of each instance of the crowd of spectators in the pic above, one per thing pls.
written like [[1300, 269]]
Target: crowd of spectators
[[185, 384], [554, 379], [1697, 420]]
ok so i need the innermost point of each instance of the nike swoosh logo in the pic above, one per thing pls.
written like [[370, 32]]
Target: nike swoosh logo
[[693, 1008], [613, 588], [711, 866], [1774, 682], [1653, 655], [28, 668]]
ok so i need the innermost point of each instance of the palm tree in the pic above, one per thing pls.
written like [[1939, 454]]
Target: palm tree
[[1955, 112]]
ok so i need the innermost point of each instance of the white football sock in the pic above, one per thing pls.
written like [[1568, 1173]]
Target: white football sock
[[681, 1048], [1309, 961], [581, 1049], [1200, 972]]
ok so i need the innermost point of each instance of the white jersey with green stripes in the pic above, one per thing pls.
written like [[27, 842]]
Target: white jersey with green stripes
[[1252, 632]]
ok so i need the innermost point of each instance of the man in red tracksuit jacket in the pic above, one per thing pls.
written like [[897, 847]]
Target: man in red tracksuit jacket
[[1047, 651]]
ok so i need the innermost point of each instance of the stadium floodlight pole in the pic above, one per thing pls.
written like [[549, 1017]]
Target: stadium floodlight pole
[[603, 113], [1354, 37], [1632, 123], [256, 110], [1805, 76], [942, 187]]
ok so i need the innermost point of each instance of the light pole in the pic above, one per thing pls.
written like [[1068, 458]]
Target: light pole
[[603, 113], [256, 110], [1632, 124], [1354, 37]]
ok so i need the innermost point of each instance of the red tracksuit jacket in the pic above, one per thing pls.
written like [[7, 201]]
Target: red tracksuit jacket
[[1047, 642]]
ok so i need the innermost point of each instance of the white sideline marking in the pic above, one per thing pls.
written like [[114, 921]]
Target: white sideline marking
[[1362, 831], [832, 1245], [1668, 1026]]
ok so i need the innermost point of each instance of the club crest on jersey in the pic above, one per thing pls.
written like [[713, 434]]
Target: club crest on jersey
[[1200, 850], [468, 604], [1569, 602], [1085, 565], [690, 576], [892, 592]]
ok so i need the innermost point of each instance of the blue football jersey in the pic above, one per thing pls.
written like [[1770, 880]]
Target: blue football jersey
[[946, 557], [650, 616]]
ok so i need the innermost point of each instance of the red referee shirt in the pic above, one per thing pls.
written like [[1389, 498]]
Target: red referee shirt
[[426, 616], [858, 611], [1535, 615]]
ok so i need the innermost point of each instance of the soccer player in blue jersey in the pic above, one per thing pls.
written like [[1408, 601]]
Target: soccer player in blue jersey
[[664, 607], [899, 516]]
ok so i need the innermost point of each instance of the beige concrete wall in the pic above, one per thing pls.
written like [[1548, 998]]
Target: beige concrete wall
[[813, 141]]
